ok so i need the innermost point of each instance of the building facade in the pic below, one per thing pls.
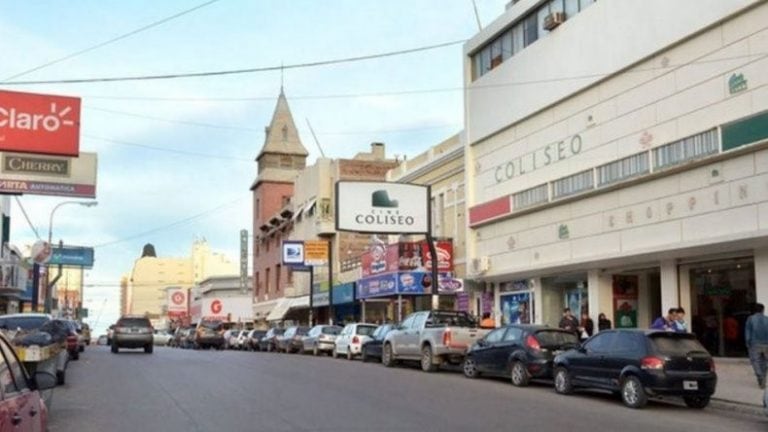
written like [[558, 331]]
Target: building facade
[[615, 180], [220, 298]]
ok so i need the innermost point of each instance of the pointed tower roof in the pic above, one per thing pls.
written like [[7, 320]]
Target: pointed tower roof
[[282, 137]]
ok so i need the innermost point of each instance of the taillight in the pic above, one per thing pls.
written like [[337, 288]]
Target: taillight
[[447, 337], [532, 343], [355, 339], [711, 365], [653, 363]]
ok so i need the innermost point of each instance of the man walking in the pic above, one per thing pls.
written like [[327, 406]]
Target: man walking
[[666, 323], [756, 335]]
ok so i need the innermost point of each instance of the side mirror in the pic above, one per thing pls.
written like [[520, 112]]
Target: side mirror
[[482, 342], [44, 380]]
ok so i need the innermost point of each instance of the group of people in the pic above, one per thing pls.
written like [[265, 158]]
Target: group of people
[[674, 321], [584, 328]]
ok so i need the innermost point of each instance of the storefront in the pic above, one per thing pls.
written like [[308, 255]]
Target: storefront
[[345, 308]]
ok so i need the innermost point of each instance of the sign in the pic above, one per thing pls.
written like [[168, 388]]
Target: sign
[[444, 249], [177, 302], [41, 252], [344, 293], [243, 260], [377, 286], [737, 83], [319, 298], [380, 258], [516, 308], [380, 207], [216, 307], [462, 302], [39, 175], [538, 158], [72, 256], [39, 123], [293, 253], [625, 295], [315, 252], [450, 285]]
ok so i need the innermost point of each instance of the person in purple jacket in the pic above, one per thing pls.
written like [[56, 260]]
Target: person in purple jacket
[[666, 323]]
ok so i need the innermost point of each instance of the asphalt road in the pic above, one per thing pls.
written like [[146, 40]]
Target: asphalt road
[[181, 390]]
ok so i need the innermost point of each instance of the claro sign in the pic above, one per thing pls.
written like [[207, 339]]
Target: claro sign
[[387, 208], [38, 123]]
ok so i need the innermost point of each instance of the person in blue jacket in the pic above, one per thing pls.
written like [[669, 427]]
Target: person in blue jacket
[[756, 337], [667, 323]]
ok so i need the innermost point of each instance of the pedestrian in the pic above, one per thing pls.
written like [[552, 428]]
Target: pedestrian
[[756, 335], [487, 322], [603, 323], [666, 323], [680, 325], [587, 327], [569, 322]]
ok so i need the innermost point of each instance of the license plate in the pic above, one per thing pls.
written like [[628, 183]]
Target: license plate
[[690, 385]]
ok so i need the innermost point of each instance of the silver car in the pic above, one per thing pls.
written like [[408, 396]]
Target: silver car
[[321, 339], [133, 332]]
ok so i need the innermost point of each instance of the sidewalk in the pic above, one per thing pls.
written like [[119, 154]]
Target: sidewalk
[[736, 383]]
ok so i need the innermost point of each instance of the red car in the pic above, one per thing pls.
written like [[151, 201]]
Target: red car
[[21, 408]]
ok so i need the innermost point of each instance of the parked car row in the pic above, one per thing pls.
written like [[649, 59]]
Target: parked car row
[[633, 364]]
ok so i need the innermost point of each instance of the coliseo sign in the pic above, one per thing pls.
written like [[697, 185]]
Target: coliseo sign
[[37, 123], [386, 208]]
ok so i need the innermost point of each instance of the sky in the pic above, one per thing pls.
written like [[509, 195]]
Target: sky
[[176, 157]]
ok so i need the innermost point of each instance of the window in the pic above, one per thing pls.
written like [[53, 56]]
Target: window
[[518, 38], [600, 343], [408, 322], [531, 29], [506, 45], [585, 3], [266, 281], [496, 53], [494, 336], [686, 149], [530, 197], [573, 184], [629, 344], [513, 335], [277, 277], [571, 8], [419, 320], [541, 17], [623, 169], [258, 283]]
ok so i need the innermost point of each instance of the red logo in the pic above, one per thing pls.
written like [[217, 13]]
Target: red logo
[[38, 123], [216, 307], [177, 297]]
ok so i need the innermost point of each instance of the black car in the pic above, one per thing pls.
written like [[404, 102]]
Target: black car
[[269, 341], [638, 364], [372, 349], [520, 352], [292, 341]]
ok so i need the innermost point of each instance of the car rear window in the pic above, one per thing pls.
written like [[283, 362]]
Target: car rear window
[[213, 325], [278, 332], [677, 345], [555, 338], [444, 319], [134, 322], [331, 330], [365, 330], [24, 323], [302, 330]]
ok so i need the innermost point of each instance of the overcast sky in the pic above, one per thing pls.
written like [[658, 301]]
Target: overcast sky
[[164, 157]]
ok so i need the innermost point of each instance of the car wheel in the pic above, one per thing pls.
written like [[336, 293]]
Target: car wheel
[[114, 349], [386, 356], [349, 353], [148, 349], [632, 392], [519, 374], [697, 402], [315, 352], [61, 377], [427, 365], [470, 368], [563, 381]]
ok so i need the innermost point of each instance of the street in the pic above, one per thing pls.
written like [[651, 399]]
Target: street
[[184, 390]]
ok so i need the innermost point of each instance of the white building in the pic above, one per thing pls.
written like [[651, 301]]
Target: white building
[[618, 162]]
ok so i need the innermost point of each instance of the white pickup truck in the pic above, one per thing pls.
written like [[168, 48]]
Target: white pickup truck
[[432, 338]]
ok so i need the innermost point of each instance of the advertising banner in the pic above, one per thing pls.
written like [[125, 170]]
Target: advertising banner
[[444, 249], [380, 259], [293, 253], [516, 308], [49, 175], [625, 291], [462, 302], [39, 123], [177, 302], [74, 256], [344, 293], [380, 207], [315, 252], [377, 286]]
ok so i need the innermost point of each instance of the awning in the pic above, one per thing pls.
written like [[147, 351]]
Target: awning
[[280, 309], [298, 213], [300, 302], [262, 309], [310, 205]]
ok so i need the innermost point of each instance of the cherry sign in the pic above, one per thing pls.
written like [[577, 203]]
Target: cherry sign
[[39, 123]]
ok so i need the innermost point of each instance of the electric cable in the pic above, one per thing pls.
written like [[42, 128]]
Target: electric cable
[[26, 216]]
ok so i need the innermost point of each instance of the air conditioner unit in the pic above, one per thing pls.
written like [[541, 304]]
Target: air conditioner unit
[[553, 20], [481, 265]]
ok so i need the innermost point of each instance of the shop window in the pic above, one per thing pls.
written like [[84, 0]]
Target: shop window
[[623, 169]]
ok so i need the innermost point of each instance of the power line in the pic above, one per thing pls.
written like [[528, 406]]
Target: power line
[[170, 225], [176, 151], [26, 216], [239, 71], [110, 41]]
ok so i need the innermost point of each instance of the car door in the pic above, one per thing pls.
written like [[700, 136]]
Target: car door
[[510, 342], [485, 350], [413, 335], [401, 338], [588, 363], [21, 411], [342, 342], [628, 347]]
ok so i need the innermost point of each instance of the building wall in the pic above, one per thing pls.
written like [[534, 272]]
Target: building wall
[[269, 199]]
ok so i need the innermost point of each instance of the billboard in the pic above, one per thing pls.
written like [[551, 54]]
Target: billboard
[[177, 302], [39, 123], [48, 175], [315, 252], [380, 207], [293, 253], [72, 256], [379, 259]]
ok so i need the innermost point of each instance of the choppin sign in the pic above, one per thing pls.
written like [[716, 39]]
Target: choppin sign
[[38, 123]]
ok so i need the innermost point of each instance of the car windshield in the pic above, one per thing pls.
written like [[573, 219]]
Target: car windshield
[[445, 319], [23, 323], [331, 330], [677, 345], [556, 338]]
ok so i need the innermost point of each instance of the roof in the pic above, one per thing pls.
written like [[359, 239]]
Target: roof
[[282, 137]]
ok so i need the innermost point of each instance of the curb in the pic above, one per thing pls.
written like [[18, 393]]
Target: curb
[[737, 407]]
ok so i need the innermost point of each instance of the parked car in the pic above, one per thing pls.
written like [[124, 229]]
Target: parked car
[[161, 337], [640, 363], [253, 339], [230, 338], [292, 340], [518, 352], [241, 340], [189, 337], [110, 333], [16, 324], [85, 331], [432, 338], [269, 341], [74, 340], [208, 334], [133, 331], [22, 406], [102, 340], [372, 348], [351, 339], [321, 338]]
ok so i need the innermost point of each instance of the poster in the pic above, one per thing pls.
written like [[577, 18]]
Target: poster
[[516, 308], [486, 303], [625, 289]]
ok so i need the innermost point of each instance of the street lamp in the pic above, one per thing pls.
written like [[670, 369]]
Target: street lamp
[[48, 293]]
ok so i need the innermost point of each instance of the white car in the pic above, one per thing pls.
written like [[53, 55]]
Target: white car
[[350, 341], [241, 341], [161, 338]]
